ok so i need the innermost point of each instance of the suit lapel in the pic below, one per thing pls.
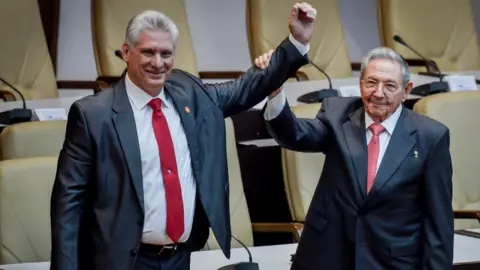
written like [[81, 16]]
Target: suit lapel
[[124, 124], [400, 145], [354, 130], [187, 111]]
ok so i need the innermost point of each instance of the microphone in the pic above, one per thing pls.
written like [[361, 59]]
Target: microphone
[[428, 88], [15, 116], [242, 265], [431, 65], [319, 95]]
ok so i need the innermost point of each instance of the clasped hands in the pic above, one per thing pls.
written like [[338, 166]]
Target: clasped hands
[[301, 19]]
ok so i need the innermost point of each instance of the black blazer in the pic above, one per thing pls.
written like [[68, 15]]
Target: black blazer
[[97, 208], [406, 220]]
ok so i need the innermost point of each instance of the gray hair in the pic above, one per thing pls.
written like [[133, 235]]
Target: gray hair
[[386, 53], [149, 20]]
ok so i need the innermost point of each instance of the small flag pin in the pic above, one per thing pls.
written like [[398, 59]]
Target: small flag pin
[[187, 109], [415, 153]]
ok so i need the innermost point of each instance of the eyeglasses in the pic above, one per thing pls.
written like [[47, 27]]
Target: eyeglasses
[[374, 85]]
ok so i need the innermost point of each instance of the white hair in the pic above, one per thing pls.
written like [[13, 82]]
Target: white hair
[[150, 20], [386, 53]]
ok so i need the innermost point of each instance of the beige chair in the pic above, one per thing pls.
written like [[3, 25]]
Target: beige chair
[[302, 170], [32, 139], [458, 111], [242, 227], [441, 30], [26, 186], [25, 59], [267, 26]]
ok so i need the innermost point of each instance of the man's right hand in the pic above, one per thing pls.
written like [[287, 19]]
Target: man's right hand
[[262, 62]]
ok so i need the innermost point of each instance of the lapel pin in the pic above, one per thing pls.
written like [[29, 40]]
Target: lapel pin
[[187, 109], [415, 153]]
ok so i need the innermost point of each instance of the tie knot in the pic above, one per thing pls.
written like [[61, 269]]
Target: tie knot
[[376, 128], [155, 104]]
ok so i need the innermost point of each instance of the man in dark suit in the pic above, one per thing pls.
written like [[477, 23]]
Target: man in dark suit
[[143, 171], [384, 197]]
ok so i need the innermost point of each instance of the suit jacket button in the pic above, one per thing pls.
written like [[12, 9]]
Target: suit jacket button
[[133, 252]]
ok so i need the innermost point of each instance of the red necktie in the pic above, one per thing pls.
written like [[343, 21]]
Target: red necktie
[[168, 163], [373, 151]]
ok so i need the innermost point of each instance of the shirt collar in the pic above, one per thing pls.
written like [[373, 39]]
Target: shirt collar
[[140, 98], [389, 123]]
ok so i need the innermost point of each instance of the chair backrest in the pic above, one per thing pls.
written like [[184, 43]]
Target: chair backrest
[[302, 170], [109, 23], [267, 27], [458, 111], [441, 30], [26, 186], [32, 139], [25, 60], [239, 215]]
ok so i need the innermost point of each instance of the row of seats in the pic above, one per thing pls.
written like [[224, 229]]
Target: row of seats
[[30, 69]]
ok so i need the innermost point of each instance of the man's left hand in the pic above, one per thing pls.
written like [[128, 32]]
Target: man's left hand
[[300, 22]]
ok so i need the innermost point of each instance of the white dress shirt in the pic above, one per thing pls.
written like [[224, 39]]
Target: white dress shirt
[[154, 231], [276, 104]]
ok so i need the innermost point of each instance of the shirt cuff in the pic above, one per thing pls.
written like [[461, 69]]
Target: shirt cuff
[[275, 106], [303, 49]]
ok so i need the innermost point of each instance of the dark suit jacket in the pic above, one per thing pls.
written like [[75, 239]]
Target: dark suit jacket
[[97, 207], [406, 220]]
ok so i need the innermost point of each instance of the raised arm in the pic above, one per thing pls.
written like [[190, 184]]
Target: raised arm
[[438, 213], [69, 191], [297, 134], [256, 84]]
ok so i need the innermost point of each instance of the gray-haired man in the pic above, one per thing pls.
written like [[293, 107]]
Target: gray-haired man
[[143, 173], [384, 197]]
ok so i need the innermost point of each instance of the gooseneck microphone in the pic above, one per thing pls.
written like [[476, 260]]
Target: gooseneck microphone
[[16, 115], [319, 95], [428, 88], [242, 265], [431, 65]]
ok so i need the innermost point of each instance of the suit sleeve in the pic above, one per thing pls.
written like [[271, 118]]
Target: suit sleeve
[[69, 191], [256, 84], [438, 216], [296, 134]]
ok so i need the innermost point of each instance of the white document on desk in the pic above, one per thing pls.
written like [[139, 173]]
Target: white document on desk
[[349, 91], [461, 83], [51, 114]]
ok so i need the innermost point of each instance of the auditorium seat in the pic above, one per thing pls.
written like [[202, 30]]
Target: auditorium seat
[[26, 186], [459, 112], [25, 59], [441, 30], [302, 170], [267, 26], [242, 227], [32, 139]]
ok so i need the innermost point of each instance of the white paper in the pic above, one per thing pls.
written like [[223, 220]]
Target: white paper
[[461, 83], [349, 91], [51, 114]]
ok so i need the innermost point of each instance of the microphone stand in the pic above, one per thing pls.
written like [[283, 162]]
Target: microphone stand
[[319, 95], [18, 115], [428, 88], [242, 265]]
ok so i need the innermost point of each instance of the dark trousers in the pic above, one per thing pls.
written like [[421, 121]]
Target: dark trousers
[[180, 260]]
